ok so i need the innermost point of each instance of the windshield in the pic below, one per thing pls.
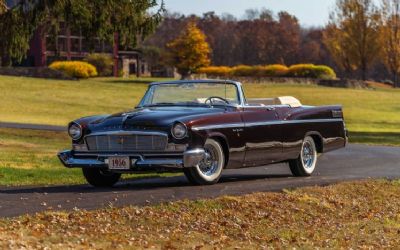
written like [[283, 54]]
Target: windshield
[[192, 94]]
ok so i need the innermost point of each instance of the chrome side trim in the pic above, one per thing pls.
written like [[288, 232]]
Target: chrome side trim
[[254, 124], [228, 125]]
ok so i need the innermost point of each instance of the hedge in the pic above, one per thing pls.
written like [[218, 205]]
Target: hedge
[[75, 69], [311, 71], [216, 70], [275, 70]]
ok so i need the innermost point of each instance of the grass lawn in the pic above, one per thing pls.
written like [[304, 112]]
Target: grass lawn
[[372, 116], [344, 216], [28, 157]]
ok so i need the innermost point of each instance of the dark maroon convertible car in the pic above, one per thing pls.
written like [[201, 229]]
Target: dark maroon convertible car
[[200, 128]]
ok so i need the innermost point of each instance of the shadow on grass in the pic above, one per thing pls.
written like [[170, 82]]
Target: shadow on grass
[[16, 178], [135, 183], [375, 138]]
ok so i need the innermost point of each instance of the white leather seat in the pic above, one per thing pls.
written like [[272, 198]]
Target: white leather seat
[[283, 100], [288, 100]]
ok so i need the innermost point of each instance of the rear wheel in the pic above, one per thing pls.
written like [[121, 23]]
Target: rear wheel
[[209, 170], [305, 164], [100, 177]]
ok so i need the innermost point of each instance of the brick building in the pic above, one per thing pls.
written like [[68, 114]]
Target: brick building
[[71, 45]]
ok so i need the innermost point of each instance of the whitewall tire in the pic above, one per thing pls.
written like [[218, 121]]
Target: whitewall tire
[[306, 163], [209, 170]]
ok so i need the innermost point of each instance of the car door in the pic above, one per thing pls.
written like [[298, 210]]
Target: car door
[[263, 135]]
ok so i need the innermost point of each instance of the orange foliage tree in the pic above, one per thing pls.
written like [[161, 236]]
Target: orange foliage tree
[[3, 6], [190, 50]]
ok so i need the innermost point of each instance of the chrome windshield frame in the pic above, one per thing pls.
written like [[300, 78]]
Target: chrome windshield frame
[[238, 85]]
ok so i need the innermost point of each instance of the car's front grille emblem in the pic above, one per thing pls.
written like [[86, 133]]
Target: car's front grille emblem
[[120, 140]]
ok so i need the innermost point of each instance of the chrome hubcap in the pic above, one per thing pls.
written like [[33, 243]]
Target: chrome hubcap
[[308, 155], [210, 163]]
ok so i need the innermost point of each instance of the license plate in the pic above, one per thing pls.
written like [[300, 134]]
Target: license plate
[[119, 163]]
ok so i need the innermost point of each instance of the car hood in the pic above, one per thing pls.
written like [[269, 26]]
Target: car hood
[[151, 118]]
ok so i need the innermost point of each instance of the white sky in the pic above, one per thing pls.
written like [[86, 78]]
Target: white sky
[[309, 12]]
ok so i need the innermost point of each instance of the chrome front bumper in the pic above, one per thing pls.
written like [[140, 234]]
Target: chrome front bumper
[[190, 158]]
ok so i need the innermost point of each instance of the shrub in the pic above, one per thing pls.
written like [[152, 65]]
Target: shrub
[[75, 68], [311, 71], [300, 70], [215, 71], [244, 70], [275, 70], [324, 72], [103, 63]]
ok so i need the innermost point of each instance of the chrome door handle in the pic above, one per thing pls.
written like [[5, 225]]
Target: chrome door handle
[[270, 108]]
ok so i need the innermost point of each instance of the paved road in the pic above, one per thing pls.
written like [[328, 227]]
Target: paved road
[[32, 126], [353, 163]]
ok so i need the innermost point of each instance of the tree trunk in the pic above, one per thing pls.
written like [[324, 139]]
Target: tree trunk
[[6, 61], [363, 71], [185, 74]]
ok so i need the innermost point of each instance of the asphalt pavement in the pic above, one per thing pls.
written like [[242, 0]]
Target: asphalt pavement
[[355, 162]]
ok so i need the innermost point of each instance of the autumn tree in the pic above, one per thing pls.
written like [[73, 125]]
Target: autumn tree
[[190, 50], [390, 37], [312, 49], [3, 6], [339, 48], [289, 38], [352, 34]]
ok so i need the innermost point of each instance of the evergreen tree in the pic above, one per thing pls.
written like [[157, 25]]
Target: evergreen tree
[[98, 19]]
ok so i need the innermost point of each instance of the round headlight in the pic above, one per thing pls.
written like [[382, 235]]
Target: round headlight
[[75, 131], [179, 130]]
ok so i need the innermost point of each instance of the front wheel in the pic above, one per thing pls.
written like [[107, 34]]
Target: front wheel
[[100, 177], [209, 170], [305, 164]]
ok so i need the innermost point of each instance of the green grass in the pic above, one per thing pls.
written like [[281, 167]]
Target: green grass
[[353, 215], [30, 100], [28, 157], [372, 116], [364, 110]]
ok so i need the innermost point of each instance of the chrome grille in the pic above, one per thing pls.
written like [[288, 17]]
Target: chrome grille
[[127, 142]]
